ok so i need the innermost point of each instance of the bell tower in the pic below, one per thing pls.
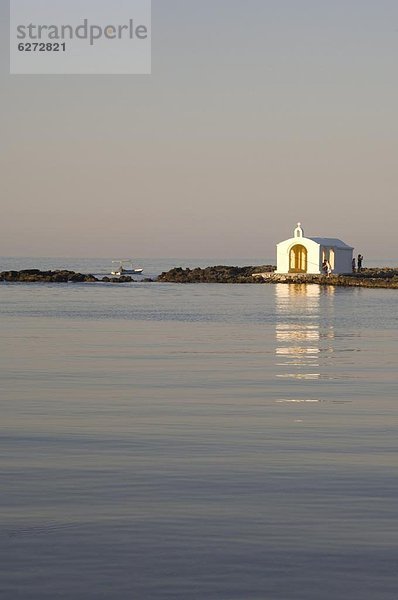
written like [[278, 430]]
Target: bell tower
[[298, 232]]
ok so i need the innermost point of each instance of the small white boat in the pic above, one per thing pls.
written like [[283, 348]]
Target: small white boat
[[125, 267]]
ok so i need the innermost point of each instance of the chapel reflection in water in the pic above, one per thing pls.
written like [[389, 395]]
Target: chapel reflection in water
[[304, 330]]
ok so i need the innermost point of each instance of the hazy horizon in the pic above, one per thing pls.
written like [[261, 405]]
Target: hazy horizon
[[257, 115]]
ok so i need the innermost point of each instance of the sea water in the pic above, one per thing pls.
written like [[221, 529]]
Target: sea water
[[164, 441]]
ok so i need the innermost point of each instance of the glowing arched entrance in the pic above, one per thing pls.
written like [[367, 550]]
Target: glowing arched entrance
[[298, 259]]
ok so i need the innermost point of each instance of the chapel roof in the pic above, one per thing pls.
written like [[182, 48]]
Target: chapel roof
[[336, 243]]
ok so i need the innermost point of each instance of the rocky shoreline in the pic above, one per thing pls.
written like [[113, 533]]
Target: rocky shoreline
[[369, 278], [218, 274], [60, 276], [374, 277], [35, 275], [385, 277]]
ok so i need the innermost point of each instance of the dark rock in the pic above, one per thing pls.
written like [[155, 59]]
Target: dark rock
[[30, 272], [217, 274], [35, 276], [9, 275], [122, 279]]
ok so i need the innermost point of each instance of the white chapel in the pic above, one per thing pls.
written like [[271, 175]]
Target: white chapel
[[301, 254]]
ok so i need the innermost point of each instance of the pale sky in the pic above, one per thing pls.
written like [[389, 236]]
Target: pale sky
[[258, 114]]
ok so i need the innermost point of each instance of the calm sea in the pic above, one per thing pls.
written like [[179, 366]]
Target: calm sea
[[203, 442]]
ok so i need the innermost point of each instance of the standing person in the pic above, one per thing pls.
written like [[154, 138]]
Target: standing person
[[328, 268], [353, 265], [325, 267], [360, 259]]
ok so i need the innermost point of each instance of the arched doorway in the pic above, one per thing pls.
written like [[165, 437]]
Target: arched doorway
[[298, 259]]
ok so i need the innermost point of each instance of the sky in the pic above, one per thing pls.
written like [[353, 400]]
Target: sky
[[258, 114]]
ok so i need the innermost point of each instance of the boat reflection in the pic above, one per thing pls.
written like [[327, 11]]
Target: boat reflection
[[304, 333]]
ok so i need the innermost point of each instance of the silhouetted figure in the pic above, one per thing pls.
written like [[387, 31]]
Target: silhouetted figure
[[360, 259], [326, 268], [353, 266]]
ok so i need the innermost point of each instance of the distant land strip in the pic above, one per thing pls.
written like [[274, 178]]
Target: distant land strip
[[382, 277]]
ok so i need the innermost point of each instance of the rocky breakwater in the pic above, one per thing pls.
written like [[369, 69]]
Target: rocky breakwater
[[35, 276], [60, 276], [218, 274], [379, 277], [384, 277]]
